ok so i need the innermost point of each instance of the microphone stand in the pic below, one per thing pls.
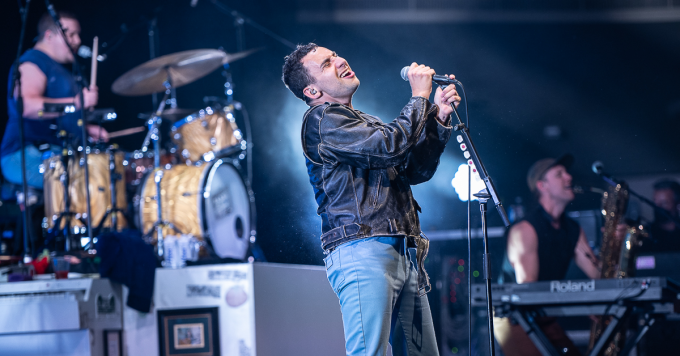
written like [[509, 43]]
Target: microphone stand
[[614, 182], [241, 19], [16, 85], [476, 165], [80, 86]]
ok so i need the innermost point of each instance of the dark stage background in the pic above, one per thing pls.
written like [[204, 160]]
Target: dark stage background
[[612, 89]]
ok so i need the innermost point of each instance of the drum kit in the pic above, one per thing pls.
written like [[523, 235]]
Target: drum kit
[[195, 193]]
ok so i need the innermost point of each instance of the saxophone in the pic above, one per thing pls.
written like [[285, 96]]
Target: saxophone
[[617, 256]]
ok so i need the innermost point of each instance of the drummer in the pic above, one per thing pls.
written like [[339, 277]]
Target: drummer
[[45, 79]]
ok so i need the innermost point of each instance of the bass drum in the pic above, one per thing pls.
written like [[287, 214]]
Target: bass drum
[[209, 202]]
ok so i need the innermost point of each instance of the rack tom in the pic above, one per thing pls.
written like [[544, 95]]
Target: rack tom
[[208, 130]]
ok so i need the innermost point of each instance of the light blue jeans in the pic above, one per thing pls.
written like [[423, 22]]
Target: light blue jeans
[[378, 290], [11, 166]]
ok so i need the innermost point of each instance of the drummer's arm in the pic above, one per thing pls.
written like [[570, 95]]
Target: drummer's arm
[[33, 84]]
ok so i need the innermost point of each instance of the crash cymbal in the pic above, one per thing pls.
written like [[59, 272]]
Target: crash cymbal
[[179, 68], [171, 114], [233, 57]]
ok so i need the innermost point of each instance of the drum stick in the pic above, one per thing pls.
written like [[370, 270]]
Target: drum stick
[[95, 53], [126, 132]]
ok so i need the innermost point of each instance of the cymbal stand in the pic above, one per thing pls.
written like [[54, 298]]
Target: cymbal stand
[[113, 178], [154, 135]]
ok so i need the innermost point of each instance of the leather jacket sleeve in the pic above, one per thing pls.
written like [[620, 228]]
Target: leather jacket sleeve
[[424, 156], [347, 138]]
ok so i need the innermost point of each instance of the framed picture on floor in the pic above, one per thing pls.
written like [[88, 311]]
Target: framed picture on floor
[[189, 332], [113, 343]]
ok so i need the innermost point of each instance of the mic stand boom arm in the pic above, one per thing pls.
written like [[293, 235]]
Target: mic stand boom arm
[[245, 19]]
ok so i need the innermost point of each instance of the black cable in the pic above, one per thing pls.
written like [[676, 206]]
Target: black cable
[[620, 297], [469, 232], [16, 84]]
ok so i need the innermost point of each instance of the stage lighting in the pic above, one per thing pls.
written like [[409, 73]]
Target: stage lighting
[[460, 183]]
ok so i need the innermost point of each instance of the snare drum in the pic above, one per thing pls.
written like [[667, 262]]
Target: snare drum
[[208, 130], [209, 201], [100, 189], [137, 164]]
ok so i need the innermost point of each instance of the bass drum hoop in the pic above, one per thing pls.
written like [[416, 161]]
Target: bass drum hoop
[[211, 169]]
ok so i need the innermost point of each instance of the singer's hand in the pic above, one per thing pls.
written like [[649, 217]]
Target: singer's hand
[[443, 99], [420, 78]]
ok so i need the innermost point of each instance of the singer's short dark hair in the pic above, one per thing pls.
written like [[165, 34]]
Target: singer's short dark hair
[[295, 75], [47, 23], [671, 185]]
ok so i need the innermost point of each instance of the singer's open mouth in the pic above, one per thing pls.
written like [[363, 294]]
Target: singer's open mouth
[[347, 74]]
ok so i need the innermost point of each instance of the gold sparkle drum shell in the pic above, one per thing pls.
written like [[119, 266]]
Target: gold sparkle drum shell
[[100, 189], [208, 130], [209, 201]]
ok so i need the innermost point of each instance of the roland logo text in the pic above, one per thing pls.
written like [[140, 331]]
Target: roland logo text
[[569, 286]]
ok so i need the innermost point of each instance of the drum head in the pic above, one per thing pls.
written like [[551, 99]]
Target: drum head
[[226, 211]]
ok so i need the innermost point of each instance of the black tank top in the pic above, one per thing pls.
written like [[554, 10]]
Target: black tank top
[[555, 247]]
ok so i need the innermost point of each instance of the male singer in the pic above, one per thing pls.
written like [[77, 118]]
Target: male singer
[[361, 170]]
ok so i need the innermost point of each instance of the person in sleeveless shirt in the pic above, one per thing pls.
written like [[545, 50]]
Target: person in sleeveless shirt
[[45, 78], [540, 248]]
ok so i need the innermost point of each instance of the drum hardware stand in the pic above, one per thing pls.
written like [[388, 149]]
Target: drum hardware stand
[[80, 86], [229, 92], [114, 177], [154, 135], [16, 85], [153, 39], [64, 179]]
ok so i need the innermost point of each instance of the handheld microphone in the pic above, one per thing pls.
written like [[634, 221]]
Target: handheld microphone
[[439, 79]]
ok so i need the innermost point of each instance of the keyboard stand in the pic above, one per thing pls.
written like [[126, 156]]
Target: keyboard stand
[[526, 316]]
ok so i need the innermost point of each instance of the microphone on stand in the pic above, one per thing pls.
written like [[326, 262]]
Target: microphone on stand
[[598, 168], [439, 79], [86, 52]]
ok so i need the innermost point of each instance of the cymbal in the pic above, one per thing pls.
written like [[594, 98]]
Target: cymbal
[[172, 114], [233, 57], [179, 68]]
